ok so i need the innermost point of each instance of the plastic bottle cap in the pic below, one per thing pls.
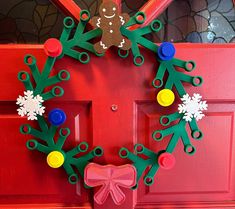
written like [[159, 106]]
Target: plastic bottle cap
[[166, 160], [165, 97], [53, 47], [166, 51], [55, 159], [57, 117]]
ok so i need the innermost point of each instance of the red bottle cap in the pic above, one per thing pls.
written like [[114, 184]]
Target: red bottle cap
[[53, 47], [166, 160]]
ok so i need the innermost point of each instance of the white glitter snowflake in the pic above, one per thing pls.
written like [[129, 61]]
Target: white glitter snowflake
[[192, 107], [30, 105]]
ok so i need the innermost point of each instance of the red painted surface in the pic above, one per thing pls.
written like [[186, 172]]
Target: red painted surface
[[205, 180]]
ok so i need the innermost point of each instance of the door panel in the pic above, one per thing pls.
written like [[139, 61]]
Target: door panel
[[93, 89], [24, 175], [206, 176]]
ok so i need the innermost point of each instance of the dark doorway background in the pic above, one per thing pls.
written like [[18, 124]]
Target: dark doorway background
[[206, 21]]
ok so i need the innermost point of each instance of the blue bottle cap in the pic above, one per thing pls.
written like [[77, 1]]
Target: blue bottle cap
[[57, 117], [166, 51]]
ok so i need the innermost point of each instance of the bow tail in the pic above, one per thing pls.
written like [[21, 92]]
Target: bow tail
[[101, 195], [117, 195]]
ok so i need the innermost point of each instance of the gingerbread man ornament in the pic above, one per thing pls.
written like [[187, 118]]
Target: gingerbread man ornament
[[110, 22]]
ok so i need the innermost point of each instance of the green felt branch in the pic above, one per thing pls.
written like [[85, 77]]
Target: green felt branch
[[79, 40], [76, 42], [42, 80], [136, 36], [151, 163], [142, 164], [176, 78], [44, 141], [178, 131]]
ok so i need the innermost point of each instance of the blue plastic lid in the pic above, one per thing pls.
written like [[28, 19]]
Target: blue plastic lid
[[57, 117], [166, 51]]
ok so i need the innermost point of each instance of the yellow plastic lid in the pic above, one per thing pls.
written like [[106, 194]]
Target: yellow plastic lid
[[165, 97], [55, 159]]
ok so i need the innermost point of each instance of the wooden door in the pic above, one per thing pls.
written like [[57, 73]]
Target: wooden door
[[205, 180]]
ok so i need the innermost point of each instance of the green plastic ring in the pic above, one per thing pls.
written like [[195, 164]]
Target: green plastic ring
[[123, 152], [189, 146], [141, 57], [123, 55], [61, 91], [68, 22], [148, 180], [30, 57], [61, 77], [73, 178], [139, 148], [62, 130], [32, 144], [22, 129], [142, 14], [155, 80], [84, 57], [26, 74], [165, 117], [81, 145], [197, 81], [85, 12], [197, 134], [154, 135], [98, 151], [153, 25], [193, 65]]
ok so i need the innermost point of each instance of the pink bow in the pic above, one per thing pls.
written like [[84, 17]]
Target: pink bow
[[110, 178]]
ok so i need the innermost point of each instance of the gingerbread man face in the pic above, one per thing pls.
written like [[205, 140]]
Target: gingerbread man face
[[110, 22], [108, 10]]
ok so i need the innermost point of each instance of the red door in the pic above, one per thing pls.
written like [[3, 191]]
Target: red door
[[203, 180]]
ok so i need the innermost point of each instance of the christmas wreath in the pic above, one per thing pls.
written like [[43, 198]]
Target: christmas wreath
[[113, 29]]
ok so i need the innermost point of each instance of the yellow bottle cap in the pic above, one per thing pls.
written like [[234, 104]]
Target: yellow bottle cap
[[165, 97], [55, 159]]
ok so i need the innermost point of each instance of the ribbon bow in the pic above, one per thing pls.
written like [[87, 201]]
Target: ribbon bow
[[110, 178]]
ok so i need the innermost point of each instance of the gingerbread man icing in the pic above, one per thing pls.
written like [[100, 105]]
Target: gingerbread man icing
[[110, 22]]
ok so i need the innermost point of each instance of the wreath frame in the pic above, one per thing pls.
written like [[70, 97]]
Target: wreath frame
[[56, 49]]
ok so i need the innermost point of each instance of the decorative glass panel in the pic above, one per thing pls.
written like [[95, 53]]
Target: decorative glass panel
[[206, 21]]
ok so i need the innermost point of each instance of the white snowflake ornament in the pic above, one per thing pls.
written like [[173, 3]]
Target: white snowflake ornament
[[192, 107], [30, 105]]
